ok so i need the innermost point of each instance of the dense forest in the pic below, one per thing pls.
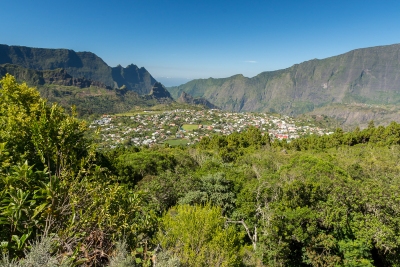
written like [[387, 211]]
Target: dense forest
[[237, 200]]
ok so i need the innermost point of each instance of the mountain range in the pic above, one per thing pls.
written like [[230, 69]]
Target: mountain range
[[355, 87]]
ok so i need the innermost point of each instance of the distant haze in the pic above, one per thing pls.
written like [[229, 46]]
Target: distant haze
[[166, 81]]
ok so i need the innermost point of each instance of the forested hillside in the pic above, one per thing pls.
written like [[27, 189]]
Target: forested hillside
[[236, 200]]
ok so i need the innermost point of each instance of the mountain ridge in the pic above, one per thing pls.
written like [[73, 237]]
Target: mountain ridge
[[354, 80], [363, 76], [79, 65]]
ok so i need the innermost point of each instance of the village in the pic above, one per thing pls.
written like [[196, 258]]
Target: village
[[186, 127]]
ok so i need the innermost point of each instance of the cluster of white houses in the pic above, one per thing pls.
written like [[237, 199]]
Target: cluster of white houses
[[148, 128]]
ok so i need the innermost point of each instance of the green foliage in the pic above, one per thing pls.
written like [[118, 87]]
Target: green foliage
[[233, 146], [322, 216], [64, 192], [28, 198], [43, 134], [132, 167], [214, 189], [355, 253], [52, 142], [380, 136], [198, 237], [101, 214], [165, 189], [19, 106], [235, 200]]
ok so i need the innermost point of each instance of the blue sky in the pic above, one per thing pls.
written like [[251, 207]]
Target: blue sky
[[187, 39]]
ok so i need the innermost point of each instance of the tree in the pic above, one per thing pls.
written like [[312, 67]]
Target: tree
[[198, 237], [41, 148], [214, 189], [38, 132]]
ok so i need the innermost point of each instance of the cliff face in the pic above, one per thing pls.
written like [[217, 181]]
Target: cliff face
[[79, 65], [367, 76], [159, 94], [134, 78], [53, 77], [159, 91], [188, 99]]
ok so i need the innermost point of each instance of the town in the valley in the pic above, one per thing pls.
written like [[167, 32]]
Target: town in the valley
[[185, 127]]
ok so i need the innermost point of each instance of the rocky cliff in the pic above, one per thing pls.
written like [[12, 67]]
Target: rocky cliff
[[49, 77], [188, 99], [160, 94], [134, 78]]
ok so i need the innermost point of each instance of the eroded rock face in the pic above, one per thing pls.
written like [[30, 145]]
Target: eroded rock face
[[159, 91], [188, 99], [133, 78], [42, 77], [61, 77], [185, 98]]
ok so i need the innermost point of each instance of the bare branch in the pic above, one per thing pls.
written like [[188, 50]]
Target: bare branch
[[252, 238]]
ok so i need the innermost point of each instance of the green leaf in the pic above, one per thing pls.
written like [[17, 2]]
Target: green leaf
[[39, 209]]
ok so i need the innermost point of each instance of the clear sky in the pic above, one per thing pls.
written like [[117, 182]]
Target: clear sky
[[188, 39]]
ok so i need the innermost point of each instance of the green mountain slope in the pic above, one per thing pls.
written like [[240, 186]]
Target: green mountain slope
[[78, 65], [363, 76]]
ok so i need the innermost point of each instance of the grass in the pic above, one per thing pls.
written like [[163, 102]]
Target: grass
[[206, 123], [190, 127]]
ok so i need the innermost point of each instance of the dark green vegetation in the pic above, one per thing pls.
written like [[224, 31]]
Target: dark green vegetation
[[365, 82], [236, 200]]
